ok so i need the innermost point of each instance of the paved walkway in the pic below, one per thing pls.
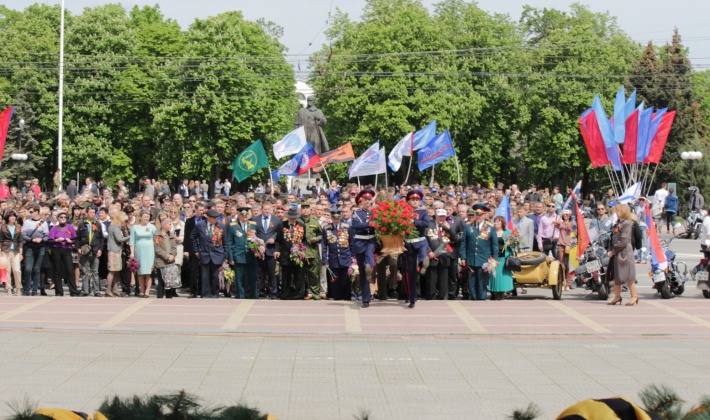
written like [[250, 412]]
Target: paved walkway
[[336, 377], [535, 313]]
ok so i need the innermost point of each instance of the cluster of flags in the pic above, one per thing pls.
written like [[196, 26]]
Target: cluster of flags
[[431, 149], [642, 131]]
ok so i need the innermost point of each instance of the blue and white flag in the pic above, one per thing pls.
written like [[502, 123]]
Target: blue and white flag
[[631, 194], [292, 143], [375, 163], [439, 149], [424, 136], [290, 168], [367, 155], [575, 194], [403, 148]]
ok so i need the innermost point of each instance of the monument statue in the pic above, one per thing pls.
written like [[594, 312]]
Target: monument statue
[[312, 119]]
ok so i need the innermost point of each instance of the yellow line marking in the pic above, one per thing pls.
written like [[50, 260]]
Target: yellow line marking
[[679, 313], [238, 315], [24, 308], [466, 317], [352, 318], [126, 313], [579, 317]]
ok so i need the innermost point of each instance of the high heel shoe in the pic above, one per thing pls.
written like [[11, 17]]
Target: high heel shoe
[[634, 301], [615, 301]]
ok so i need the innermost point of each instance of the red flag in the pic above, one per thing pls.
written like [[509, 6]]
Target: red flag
[[631, 138], [597, 153], [5, 118], [659, 140], [582, 234]]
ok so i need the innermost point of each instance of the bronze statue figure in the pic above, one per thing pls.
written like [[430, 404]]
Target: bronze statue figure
[[312, 119]]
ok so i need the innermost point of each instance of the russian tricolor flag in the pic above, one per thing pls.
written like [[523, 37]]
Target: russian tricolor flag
[[307, 159], [657, 255]]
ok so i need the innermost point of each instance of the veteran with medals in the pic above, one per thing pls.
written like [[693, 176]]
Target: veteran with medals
[[440, 253], [479, 243], [311, 265], [291, 236], [336, 255], [241, 257]]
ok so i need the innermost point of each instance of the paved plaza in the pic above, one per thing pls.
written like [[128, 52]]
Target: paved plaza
[[334, 360]]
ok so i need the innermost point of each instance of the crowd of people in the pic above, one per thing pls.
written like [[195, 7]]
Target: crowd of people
[[94, 241]]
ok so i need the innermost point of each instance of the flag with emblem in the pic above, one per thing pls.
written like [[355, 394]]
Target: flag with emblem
[[439, 149], [249, 161], [307, 158], [292, 143], [342, 154]]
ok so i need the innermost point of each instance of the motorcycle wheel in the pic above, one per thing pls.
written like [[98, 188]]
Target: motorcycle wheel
[[666, 291], [706, 294], [557, 290], [603, 293], [696, 234], [679, 290]]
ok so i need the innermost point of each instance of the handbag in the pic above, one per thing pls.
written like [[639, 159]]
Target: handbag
[[512, 263], [85, 250], [171, 276]]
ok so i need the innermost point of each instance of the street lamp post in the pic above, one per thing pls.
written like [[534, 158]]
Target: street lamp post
[[19, 157], [691, 157]]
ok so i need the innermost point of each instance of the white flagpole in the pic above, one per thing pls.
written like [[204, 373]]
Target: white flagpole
[[60, 128], [271, 180], [431, 181], [411, 158], [326, 172], [358, 183], [386, 183], [376, 182]]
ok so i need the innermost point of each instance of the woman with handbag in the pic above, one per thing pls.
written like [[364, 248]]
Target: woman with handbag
[[116, 239], [11, 244], [622, 263], [564, 244], [165, 251], [502, 281]]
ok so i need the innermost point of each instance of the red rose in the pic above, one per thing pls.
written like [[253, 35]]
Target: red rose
[[384, 229], [406, 232]]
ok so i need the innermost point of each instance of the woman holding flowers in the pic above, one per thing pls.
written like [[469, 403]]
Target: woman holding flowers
[[501, 280]]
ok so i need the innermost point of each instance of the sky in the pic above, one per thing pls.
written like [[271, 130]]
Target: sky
[[303, 21]]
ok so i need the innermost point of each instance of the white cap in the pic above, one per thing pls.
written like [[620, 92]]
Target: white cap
[[441, 212]]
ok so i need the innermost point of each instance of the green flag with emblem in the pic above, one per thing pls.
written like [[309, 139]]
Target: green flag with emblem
[[249, 161]]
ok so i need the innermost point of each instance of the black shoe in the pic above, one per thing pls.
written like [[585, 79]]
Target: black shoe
[[42, 292], [33, 294], [411, 305], [73, 294], [365, 304], [392, 294], [83, 294], [98, 295]]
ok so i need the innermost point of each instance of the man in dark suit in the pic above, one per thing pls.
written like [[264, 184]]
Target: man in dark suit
[[184, 189], [193, 263], [440, 240], [317, 189], [479, 243], [267, 227], [90, 244], [209, 245], [337, 258], [457, 224]]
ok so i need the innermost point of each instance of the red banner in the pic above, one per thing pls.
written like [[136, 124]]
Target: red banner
[[5, 118]]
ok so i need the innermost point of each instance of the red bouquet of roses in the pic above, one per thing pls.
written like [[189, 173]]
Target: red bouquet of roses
[[392, 218]]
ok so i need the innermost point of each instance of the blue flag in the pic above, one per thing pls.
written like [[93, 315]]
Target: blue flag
[[437, 150], [644, 125], [630, 104], [504, 210], [614, 156], [604, 126], [275, 176], [424, 136]]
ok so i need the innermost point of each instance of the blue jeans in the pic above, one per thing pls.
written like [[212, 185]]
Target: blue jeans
[[32, 268]]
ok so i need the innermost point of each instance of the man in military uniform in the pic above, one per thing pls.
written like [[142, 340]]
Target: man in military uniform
[[479, 243], [311, 266], [291, 234], [362, 239], [240, 257], [336, 255], [416, 248]]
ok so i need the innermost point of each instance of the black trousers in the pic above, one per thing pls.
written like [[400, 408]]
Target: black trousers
[[437, 282], [194, 274], [339, 283], [292, 282], [210, 279], [160, 288], [64, 270], [267, 276]]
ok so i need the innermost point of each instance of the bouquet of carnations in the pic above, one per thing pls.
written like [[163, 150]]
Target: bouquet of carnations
[[133, 265], [514, 240], [225, 274], [298, 254], [392, 218], [257, 246]]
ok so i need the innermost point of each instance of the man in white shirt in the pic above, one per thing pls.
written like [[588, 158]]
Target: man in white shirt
[[659, 200]]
